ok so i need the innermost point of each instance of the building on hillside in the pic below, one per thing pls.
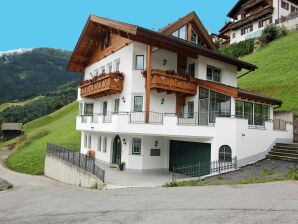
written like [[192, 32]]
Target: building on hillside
[[11, 130], [250, 17], [155, 100]]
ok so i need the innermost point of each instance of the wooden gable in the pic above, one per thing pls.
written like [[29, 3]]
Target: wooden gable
[[193, 22]]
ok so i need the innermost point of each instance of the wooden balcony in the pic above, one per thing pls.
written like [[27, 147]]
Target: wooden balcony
[[172, 83], [103, 85]]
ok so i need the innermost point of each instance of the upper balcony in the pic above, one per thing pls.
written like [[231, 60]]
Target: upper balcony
[[171, 82], [102, 85]]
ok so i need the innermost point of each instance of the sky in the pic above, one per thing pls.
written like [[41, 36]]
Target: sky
[[59, 23]]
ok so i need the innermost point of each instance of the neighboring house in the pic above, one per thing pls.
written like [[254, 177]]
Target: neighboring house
[[11, 130], [155, 100], [250, 17]]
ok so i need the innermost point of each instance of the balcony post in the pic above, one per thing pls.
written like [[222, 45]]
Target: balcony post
[[148, 80]]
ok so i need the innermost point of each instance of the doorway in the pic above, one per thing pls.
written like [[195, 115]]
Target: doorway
[[117, 148]]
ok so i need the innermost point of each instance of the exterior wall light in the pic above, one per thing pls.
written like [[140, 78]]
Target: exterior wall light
[[123, 99], [162, 100], [164, 62], [124, 141], [156, 143]]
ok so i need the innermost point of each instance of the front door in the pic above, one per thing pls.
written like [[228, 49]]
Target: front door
[[116, 157]]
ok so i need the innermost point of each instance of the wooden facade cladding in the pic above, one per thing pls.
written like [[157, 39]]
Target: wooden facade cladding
[[108, 84], [179, 84]]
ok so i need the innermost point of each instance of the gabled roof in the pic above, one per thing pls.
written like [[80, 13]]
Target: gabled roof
[[12, 127], [95, 25], [191, 17]]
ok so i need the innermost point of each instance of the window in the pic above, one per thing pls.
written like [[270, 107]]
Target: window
[[116, 107], [102, 69], [109, 68], [138, 104], [190, 106], [99, 143], [105, 108], [225, 154], [293, 9], [89, 142], [96, 71], [191, 69], [245, 110], [139, 62], [246, 30], [88, 109], [136, 146], [265, 22], [213, 74], [219, 106], [234, 35], [85, 141], [181, 111], [285, 5], [181, 33], [117, 66], [104, 148], [81, 108], [194, 36]]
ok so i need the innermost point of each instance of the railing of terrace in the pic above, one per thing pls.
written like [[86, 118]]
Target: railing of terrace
[[140, 117]]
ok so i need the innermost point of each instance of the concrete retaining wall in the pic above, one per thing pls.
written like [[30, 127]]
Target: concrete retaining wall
[[68, 173]]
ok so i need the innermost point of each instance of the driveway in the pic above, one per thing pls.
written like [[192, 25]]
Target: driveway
[[37, 199]]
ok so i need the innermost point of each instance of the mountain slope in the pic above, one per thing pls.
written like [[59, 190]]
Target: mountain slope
[[277, 75], [57, 128], [31, 73]]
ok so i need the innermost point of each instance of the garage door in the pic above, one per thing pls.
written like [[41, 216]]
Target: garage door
[[189, 153]]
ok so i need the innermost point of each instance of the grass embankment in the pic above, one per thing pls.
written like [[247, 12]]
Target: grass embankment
[[277, 73], [30, 149], [22, 103]]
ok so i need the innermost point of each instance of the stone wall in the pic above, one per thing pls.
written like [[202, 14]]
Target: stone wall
[[68, 173]]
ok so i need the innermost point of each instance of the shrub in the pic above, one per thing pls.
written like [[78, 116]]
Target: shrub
[[272, 32], [239, 49]]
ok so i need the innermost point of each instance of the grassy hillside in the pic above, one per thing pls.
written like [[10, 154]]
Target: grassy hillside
[[22, 103], [57, 128], [277, 75]]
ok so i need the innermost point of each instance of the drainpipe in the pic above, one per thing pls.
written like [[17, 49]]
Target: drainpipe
[[244, 74]]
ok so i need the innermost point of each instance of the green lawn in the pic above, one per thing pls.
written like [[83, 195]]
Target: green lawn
[[22, 103], [57, 128], [277, 75]]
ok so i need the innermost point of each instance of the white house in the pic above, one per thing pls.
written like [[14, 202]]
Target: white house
[[250, 17], [155, 100]]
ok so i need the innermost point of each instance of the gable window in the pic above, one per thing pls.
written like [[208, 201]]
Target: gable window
[[265, 22], [181, 33], [191, 69], [285, 5], [138, 104], [225, 154], [89, 142], [195, 38], [190, 107], [136, 146], [246, 30], [213, 74], [116, 106], [140, 61], [88, 109], [99, 144], [104, 148]]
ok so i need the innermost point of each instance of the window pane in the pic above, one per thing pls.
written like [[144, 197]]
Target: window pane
[[194, 36], [181, 111], [258, 119], [176, 33], [216, 75], [239, 109], [191, 70], [209, 73], [116, 107], [117, 66], [191, 109], [265, 113], [136, 146], [183, 32], [89, 109], [248, 112], [138, 103], [140, 62]]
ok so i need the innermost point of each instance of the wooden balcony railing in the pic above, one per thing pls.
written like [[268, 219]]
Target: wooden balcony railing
[[172, 83], [103, 85]]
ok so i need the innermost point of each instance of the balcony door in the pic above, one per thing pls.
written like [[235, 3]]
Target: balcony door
[[105, 108]]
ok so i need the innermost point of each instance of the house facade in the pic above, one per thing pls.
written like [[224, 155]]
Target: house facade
[[155, 100], [250, 17]]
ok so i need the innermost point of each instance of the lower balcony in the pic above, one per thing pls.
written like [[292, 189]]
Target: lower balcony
[[102, 85], [171, 82]]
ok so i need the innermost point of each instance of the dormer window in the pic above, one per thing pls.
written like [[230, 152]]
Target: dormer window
[[181, 33]]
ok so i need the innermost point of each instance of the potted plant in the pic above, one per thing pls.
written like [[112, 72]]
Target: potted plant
[[121, 166]]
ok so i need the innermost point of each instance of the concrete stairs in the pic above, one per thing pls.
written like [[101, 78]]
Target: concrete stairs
[[283, 151]]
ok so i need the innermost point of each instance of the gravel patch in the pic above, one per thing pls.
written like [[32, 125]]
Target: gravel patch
[[267, 169]]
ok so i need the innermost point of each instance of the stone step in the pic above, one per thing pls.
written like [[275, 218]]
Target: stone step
[[275, 153], [294, 145], [277, 149], [282, 158]]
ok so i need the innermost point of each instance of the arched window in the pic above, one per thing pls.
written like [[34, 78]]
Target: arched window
[[225, 153]]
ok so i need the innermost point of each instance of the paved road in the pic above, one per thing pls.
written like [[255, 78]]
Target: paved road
[[41, 200]]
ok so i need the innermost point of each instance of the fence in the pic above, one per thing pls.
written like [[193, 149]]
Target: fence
[[139, 117], [287, 18], [78, 159], [202, 169]]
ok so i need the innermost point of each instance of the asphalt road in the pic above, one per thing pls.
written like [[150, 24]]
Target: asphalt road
[[41, 200]]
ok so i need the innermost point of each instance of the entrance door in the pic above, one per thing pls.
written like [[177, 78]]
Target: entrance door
[[117, 145]]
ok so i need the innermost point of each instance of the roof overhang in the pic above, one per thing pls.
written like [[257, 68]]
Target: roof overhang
[[79, 58]]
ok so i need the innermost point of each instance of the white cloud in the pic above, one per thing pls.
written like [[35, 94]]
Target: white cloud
[[16, 51]]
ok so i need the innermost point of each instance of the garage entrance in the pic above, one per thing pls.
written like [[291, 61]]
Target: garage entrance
[[188, 153]]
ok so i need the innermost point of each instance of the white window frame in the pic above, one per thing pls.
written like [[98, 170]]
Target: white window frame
[[133, 146], [212, 75], [136, 62]]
